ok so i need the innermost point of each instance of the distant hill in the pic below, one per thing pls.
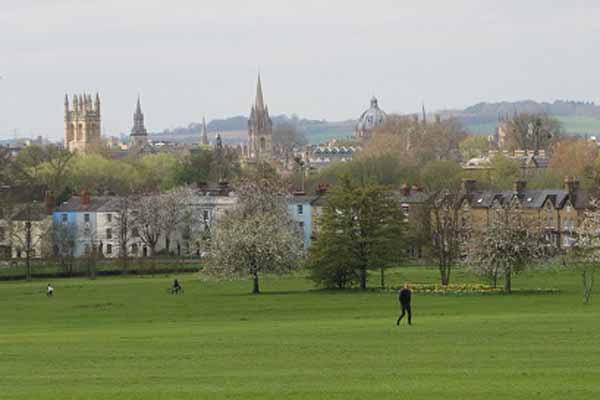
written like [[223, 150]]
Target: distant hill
[[577, 117], [233, 129]]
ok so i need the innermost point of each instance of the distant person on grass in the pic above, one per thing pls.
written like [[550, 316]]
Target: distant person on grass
[[50, 291], [404, 297], [176, 287]]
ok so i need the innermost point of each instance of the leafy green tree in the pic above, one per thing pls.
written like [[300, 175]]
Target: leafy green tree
[[362, 228], [474, 147], [439, 175], [505, 171]]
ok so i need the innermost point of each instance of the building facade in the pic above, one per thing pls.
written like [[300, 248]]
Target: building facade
[[82, 124]]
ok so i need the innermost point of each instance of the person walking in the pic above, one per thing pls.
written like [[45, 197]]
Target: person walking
[[404, 297], [50, 291]]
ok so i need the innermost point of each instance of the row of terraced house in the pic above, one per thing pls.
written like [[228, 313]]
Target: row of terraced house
[[94, 219]]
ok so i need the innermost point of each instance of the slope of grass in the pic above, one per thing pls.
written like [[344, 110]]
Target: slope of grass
[[126, 338]]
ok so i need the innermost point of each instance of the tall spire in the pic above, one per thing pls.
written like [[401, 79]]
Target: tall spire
[[260, 103], [204, 133], [424, 113], [138, 121]]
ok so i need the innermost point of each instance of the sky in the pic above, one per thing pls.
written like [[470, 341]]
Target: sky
[[318, 59]]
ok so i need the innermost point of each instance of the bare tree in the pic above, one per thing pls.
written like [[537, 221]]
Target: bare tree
[[147, 219], [122, 225], [448, 232], [65, 239], [30, 232]]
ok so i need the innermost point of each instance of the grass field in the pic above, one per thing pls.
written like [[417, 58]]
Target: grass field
[[126, 338]]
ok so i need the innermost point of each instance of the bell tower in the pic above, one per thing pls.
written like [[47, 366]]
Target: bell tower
[[82, 123]]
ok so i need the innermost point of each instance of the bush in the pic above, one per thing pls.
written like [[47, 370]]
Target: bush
[[332, 275]]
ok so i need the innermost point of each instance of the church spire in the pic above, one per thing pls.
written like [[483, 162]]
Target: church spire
[[259, 102], [204, 133]]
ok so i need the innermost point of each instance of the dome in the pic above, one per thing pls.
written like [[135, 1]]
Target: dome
[[370, 118]]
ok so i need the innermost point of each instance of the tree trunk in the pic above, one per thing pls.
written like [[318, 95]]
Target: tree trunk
[[363, 278], [28, 266], [382, 278], [507, 281], [588, 283], [255, 288]]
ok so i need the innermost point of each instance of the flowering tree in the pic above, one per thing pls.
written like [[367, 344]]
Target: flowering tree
[[583, 254], [257, 235], [508, 244]]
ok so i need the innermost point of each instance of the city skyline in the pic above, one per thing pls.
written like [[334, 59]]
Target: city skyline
[[317, 61]]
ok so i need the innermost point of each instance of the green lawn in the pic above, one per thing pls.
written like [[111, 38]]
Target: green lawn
[[125, 338]]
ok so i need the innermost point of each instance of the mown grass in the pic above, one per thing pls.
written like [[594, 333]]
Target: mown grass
[[126, 338]]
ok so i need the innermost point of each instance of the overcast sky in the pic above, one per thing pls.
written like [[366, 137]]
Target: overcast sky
[[318, 59]]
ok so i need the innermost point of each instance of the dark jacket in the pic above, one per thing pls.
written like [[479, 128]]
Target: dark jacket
[[404, 296]]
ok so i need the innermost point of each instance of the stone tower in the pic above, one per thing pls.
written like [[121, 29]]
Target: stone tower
[[260, 129], [204, 133], [139, 135], [82, 123]]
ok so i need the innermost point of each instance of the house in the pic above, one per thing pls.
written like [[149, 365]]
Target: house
[[300, 211], [75, 224]]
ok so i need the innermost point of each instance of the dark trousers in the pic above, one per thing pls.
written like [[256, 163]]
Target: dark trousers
[[405, 310]]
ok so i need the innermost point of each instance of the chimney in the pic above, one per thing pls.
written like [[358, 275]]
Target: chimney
[[519, 186], [468, 185], [405, 190], [321, 188], [85, 197], [571, 184]]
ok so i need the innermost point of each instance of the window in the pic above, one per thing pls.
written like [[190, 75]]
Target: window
[[109, 249], [205, 215], [300, 209], [87, 249], [301, 225], [86, 217], [2, 235], [109, 233], [64, 217], [108, 217], [135, 232], [134, 249]]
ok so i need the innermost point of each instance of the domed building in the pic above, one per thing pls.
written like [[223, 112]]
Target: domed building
[[369, 120]]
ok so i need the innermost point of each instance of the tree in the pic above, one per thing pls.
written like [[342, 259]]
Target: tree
[[65, 240], [54, 173], [175, 207], [123, 225], [287, 137], [256, 236], [575, 157], [30, 232], [475, 146], [147, 219], [449, 228], [583, 253], [440, 175], [507, 245], [362, 228], [505, 172], [533, 132]]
